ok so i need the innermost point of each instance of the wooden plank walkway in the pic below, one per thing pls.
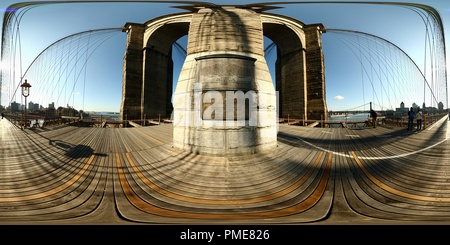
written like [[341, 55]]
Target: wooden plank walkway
[[84, 175]]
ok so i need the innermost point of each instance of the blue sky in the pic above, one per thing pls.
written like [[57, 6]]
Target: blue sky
[[351, 83]]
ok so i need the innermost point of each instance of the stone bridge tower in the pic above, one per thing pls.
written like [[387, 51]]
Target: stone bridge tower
[[225, 102]]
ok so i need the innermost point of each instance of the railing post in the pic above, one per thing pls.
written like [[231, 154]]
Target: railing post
[[424, 121]]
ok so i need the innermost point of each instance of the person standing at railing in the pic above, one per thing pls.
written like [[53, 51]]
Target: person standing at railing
[[411, 115], [373, 115], [419, 117]]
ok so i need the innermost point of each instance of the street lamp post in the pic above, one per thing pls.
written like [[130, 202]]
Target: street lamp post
[[25, 92]]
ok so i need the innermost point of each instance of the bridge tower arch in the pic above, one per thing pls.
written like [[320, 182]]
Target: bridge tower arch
[[300, 68], [148, 67], [225, 53]]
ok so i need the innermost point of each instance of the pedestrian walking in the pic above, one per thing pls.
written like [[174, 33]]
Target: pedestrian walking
[[411, 115], [419, 117]]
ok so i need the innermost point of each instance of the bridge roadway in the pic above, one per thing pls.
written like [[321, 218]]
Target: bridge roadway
[[83, 175]]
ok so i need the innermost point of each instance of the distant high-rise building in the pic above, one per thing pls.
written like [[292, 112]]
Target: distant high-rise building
[[14, 107]]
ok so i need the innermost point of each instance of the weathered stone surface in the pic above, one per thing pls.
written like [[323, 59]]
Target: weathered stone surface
[[225, 56], [132, 72], [316, 103]]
